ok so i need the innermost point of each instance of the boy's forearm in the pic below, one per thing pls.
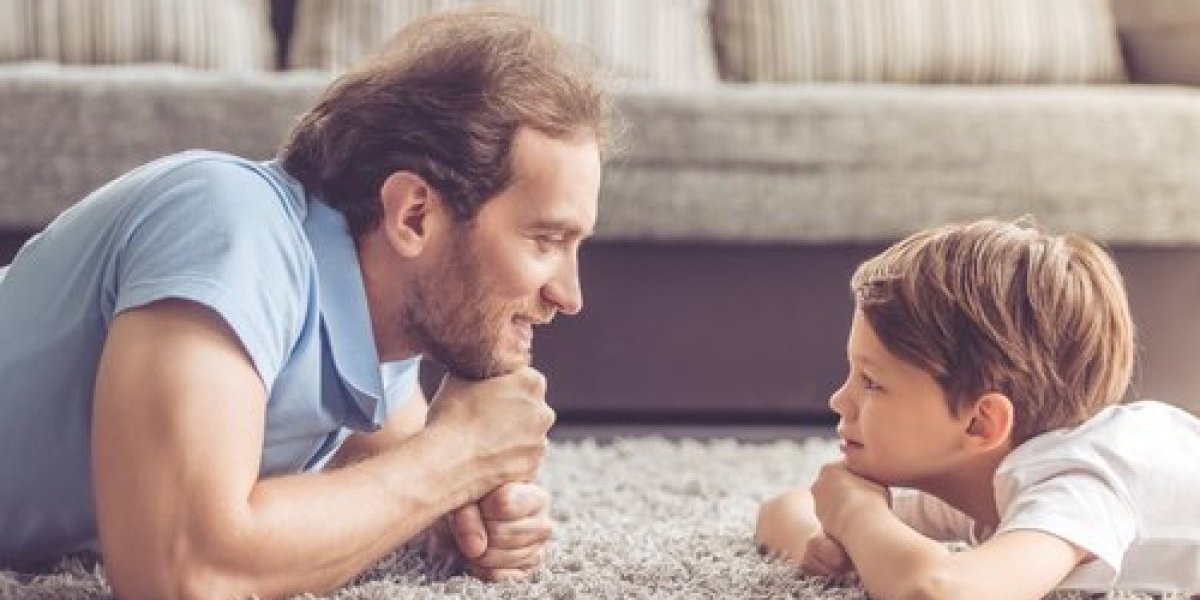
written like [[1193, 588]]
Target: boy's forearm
[[786, 523], [893, 560]]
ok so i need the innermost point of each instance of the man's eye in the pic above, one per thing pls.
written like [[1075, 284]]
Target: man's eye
[[550, 241]]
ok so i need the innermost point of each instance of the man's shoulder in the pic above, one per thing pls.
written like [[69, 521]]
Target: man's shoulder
[[222, 177], [217, 192]]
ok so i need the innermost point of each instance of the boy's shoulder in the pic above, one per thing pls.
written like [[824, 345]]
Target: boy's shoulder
[[1121, 442]]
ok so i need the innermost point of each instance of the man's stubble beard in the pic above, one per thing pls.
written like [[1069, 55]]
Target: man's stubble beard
[[449, 314]]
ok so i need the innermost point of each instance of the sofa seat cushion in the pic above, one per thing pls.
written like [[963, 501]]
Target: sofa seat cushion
[[845, 162], [65, 130]]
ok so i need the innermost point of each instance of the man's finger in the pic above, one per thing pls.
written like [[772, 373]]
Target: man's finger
[[513, 501], [501, 574], [469, 531], [520, 558], [519, 534]]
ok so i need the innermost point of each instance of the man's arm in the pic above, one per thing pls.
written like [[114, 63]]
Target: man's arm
[[896, 562], [503, 536], [177, 438], [406, 421]]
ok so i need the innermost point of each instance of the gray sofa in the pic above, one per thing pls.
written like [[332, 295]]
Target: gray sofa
[[732, 217]]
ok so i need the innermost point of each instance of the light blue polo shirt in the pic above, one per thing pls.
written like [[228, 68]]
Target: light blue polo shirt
[[240, 237]]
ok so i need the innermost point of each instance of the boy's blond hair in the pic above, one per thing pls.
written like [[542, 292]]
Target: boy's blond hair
[[994, 306]]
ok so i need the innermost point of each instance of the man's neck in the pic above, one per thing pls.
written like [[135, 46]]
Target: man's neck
[[383, 281]]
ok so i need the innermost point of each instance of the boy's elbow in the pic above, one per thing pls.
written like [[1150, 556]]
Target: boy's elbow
[[933, 584]]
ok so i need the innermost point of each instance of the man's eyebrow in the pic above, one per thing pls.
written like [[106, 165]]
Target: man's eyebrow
[[561, 226]]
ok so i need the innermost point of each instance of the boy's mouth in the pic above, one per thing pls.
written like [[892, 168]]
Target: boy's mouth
[[847, 443]]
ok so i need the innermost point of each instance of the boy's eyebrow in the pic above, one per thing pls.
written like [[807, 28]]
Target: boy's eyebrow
[[863, 359]]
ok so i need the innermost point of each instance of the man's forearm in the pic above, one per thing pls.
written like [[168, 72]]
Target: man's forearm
[[313, 532]]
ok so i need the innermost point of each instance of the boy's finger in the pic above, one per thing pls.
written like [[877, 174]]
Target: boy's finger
[[830, 554]]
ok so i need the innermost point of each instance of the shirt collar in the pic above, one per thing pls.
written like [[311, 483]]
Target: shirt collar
[[345, 316]]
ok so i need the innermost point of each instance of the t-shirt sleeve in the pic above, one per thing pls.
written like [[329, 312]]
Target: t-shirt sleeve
[[929, 516], [1081, 508], [218, 234]]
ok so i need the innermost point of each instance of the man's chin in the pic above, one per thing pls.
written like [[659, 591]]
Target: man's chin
[[496, 367]]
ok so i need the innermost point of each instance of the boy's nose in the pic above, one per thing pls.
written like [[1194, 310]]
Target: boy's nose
[[838, 402]]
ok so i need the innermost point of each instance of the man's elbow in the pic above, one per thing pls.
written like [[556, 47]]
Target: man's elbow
[[167, 579]]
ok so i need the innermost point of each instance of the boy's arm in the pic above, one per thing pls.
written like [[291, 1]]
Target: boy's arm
[[787, 526], [896, 562], [786, 523]]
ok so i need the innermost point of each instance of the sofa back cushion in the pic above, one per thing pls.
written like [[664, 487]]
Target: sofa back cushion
[[667, 41], [208, 34], [1161, 39], [918, 41]]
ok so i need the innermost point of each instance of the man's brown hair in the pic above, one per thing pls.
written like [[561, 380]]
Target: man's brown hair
[[995, 306], [444, 100]]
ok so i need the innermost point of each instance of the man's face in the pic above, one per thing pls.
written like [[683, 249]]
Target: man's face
[[513, 266]]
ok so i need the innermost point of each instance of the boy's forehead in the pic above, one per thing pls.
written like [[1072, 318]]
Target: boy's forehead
[[864, 346]]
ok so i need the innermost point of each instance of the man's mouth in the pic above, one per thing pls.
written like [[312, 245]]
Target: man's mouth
[[524, 326]]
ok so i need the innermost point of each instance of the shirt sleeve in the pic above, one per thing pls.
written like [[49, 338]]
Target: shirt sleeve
[[217, 233], [929, 516], [1082, 509]]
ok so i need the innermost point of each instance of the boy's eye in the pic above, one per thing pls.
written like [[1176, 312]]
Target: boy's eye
[[870, 384]]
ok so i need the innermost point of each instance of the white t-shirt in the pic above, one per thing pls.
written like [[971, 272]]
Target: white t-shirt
[[1124, 486]]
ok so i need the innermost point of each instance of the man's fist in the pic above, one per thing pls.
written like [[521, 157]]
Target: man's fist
[[504, 535]]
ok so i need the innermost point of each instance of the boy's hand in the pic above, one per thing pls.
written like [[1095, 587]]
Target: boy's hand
[[505, 534], [824, 556], [840, 495]]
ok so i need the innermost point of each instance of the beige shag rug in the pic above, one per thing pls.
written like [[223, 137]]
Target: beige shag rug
[[638, 518]]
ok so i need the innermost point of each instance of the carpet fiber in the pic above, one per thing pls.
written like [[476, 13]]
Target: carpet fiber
[[638, 518]]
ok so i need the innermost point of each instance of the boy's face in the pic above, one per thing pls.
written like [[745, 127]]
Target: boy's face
[[895, 427]]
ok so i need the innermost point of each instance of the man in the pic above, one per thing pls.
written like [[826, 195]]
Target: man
[[209, 364]]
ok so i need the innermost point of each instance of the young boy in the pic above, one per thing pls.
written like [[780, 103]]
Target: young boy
[[986, 363]]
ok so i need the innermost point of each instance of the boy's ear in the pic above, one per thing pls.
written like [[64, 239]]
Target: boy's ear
[[409, 211], [991, 421]]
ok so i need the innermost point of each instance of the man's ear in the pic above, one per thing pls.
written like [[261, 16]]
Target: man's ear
[[409, 205], [991, 421]]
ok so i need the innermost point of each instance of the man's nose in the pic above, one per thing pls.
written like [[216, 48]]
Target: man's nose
[[565, 291]]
